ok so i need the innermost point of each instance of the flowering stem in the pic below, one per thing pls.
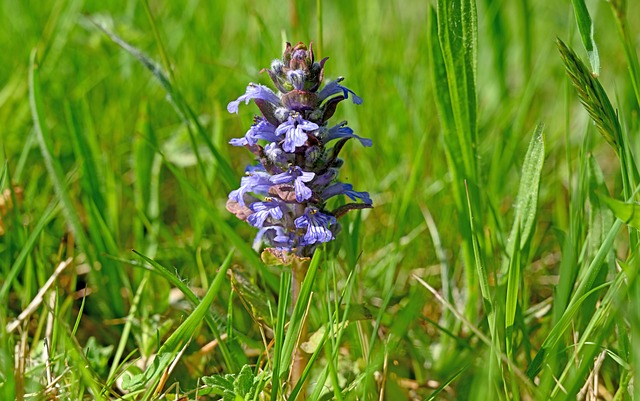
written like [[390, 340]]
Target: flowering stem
[[287, 193], [298, 356]]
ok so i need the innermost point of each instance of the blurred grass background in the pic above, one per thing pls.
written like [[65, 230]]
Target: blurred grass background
[[133, 181]]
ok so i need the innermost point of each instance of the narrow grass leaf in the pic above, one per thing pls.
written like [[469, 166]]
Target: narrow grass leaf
[[176, 100], [526, 206], [628, 39], [433, 396], [557, 331], [598, 328], [279, 334], [57, 178], [585, 26], [233, 364], [186, 330], [52, 164], [50, 212], [299, 308]]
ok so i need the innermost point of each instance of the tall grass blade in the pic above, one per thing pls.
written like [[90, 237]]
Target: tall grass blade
[[524, 220], [57, 178], [453, 42], [181, 107], [299, 309], [585, 26], [580, 294], [232, 360], [619, 8], [169, 349]]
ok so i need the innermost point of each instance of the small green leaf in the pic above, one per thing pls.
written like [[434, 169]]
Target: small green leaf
[[243, 384], [627, 212]]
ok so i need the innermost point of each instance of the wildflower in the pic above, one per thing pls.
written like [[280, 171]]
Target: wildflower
[[296, 131], [317, 226], [285, 194]]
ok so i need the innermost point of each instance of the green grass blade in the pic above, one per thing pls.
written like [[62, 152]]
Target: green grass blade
[[299, 309], [57, 178], [619, 8], [28, 246], [445, 384], [185, 331], [453, 41], [233, 364], [585, 26], [279, 332], [181, 107], [579, 296], [526, 210]]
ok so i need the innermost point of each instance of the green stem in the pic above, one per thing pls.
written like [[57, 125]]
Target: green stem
[[298, 357]]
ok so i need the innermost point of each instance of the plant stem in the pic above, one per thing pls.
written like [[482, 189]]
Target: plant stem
[[298, 356]]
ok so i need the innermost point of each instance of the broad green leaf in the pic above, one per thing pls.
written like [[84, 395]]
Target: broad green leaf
[[453, 45], [527, 199]]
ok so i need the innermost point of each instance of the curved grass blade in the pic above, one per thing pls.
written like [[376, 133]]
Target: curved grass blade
[[181, 107], [171, 347], [233, 364]]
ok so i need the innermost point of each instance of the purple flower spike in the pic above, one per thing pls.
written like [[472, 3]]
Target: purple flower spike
[[341, 131], [299, 177], [285, 194], [262, 210], [334, 87], [317, 225], [254, 91], [295, 130]]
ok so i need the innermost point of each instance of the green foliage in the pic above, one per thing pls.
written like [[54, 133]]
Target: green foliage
[[243, 386], [496, 264]]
